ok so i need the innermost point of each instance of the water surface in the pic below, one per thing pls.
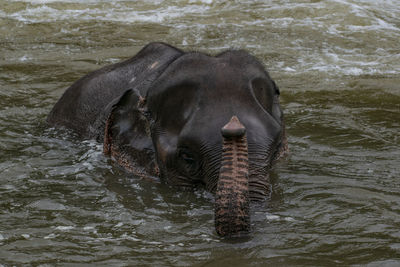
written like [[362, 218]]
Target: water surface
[[336, 198]]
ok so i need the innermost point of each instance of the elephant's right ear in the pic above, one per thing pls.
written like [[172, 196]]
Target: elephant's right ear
[[127, 135]]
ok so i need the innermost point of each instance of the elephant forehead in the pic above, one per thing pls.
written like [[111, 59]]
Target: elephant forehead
[[212, 86], [208, 70]]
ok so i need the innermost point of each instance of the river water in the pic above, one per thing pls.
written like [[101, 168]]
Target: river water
[[336, 198]]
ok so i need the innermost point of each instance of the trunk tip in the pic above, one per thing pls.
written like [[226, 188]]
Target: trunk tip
[[234, 128]]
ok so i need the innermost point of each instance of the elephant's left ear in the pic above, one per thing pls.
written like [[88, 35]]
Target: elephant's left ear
[[127, 135]]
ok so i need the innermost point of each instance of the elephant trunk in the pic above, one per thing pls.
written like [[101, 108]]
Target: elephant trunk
[[232, 217]]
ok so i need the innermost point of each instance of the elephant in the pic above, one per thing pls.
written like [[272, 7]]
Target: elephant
[[188, 118]]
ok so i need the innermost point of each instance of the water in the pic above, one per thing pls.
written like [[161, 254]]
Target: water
[[337, 196]]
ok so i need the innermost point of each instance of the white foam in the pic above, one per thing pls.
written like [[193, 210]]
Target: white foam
[[341, 24], [272, 217], [129, 237], [24, 58], [26, 236], [119, 224], [289, 69], [50, 236], [59, 1], [41, 12], [201, 1], [64, 228]]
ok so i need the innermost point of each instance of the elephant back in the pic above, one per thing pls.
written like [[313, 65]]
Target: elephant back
[[86, 104]]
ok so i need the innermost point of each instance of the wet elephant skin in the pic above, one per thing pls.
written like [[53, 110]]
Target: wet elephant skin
[[165, 112]]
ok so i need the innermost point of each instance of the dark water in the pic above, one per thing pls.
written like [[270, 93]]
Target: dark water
[[337, 196]]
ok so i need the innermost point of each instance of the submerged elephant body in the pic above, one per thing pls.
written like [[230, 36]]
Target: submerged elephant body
[[187, 117]]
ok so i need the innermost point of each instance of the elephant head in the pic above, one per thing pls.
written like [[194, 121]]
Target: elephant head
[[204, 120]]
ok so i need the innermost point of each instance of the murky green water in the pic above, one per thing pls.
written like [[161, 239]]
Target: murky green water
[[336, 198]]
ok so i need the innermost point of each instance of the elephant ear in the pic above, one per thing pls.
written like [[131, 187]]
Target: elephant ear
[[127, 136]]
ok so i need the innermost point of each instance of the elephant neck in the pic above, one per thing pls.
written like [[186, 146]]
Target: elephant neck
[[232, 195]]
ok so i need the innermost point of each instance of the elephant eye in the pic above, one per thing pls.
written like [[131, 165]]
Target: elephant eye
[[188, 161], [187, 157]]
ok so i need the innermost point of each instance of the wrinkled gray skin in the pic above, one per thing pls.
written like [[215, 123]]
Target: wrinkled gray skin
[[160, 113]]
